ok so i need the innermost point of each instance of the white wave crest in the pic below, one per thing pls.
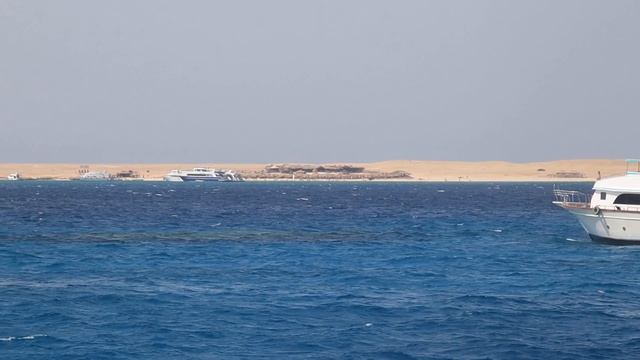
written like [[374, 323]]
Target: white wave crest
[[28, 337]]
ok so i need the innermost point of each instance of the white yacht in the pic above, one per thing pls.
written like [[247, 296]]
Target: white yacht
[[14, 176], [202, 174], [95, 176], [612, 214], [173, 175]]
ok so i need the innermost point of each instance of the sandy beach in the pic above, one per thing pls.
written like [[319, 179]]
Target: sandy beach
[[561, 170]]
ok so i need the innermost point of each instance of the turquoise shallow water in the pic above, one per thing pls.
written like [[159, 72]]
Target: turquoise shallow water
[[308, 270]]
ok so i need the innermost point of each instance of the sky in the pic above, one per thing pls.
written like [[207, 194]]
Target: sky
[[318, 81]]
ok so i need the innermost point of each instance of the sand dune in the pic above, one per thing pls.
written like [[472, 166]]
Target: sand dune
[[561, 170]]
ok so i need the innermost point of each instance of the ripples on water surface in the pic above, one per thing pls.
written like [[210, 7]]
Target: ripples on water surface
[[307, 270]]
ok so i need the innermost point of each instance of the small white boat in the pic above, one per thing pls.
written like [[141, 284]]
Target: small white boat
[[173, 175], [14, 177], [612, 213]]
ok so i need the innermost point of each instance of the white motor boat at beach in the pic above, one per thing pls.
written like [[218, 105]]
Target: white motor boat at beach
[[14, 177], [202, 174], [95, 176], [173, 175], [612, 213]]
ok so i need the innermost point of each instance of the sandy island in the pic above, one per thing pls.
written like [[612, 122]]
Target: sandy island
[[561, 170]]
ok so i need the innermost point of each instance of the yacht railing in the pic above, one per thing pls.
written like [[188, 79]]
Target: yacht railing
[[580, 200], [571, 198]]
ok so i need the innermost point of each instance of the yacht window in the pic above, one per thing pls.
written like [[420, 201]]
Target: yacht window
[[628, 199], [603, 196]]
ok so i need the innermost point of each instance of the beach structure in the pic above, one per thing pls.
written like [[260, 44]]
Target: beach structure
[[83, 169], [128, 174], [324, 172], [312, 169], [612, 213]]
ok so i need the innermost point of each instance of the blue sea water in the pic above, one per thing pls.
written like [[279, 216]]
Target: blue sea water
[[125, 270]]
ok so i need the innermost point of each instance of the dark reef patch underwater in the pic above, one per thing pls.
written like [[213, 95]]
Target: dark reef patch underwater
[[128, 270]]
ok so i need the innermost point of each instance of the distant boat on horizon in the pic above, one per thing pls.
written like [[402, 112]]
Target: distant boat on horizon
[[14, 177]]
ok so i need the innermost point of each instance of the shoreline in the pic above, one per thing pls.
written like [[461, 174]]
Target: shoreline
[[478, 181], [560, 171]]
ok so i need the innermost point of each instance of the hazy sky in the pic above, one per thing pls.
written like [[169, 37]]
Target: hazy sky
[[318, 81]]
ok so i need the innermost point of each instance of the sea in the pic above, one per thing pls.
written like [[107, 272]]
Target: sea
[[308, 270]]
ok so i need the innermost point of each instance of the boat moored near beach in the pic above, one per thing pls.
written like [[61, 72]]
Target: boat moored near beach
[[14, 177], [202, 174], [173, 175], [612, 213], [95, 176]]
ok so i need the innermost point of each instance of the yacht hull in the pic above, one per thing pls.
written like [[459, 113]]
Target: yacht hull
[[619, 227], [200, 178], [172, 178]]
